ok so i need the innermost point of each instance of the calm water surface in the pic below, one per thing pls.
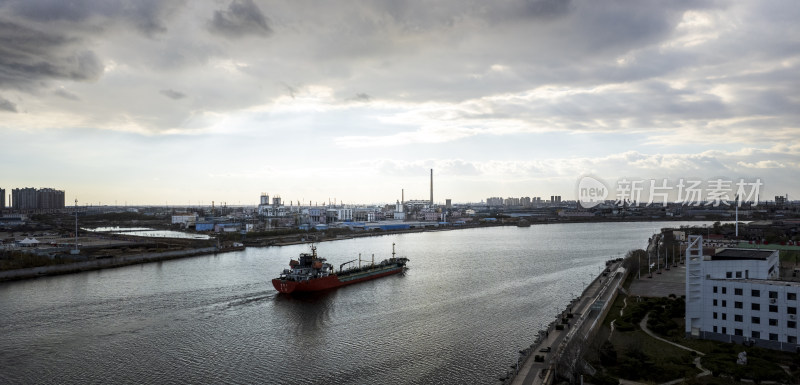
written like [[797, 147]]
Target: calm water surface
[[469, 301], [148, 232]]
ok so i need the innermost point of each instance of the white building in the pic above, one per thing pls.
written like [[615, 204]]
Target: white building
[[736, 296], [344, 215], [186, 219], [399, 214]]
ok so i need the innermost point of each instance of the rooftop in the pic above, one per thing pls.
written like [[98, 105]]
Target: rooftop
[[739, 254]]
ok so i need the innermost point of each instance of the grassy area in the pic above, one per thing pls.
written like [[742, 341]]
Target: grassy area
[[10, 260], [633, 355], [642, 358]]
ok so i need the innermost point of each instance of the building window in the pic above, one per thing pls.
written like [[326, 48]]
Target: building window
[[755, 293], [791, 296], [729, 274], [737, 291], [715, 328], [773, 336], [724, 316], [791, 339], [773, 322], [724, 330], [715, 289], [755, 320], [738, 274], [755, 334], [791, 324], [715, 302], [755, 306], [715, 315], [791, 310], [773, 294], [724, 290], [773, 308], [724, 302], [737, 317], [738, 304], [738, 332]]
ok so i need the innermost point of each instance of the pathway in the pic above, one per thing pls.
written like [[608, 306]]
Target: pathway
[[704, 371]]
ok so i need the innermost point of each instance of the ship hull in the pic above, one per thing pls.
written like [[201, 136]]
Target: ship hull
[[331, 281]]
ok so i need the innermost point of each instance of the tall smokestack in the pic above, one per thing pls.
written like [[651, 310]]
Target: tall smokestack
[[431, 187]]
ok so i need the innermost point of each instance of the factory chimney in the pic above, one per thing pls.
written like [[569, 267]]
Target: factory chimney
[[431, 187]]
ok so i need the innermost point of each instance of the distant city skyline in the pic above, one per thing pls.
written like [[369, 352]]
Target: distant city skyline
[[174, 102]]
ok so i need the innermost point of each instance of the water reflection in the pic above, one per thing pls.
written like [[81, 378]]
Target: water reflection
[[306, 313], [148, 232]]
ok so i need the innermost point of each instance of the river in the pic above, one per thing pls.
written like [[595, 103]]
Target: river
[[468, 302]]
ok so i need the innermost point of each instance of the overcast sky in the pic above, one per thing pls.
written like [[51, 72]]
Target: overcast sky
[[156, 101]]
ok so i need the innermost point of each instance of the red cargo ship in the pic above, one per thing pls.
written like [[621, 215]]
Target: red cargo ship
[[312, 273]]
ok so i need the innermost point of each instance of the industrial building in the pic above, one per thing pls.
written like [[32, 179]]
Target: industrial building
[[185, 219], [736, 295]]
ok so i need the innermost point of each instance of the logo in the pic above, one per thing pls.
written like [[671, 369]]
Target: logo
[[591, 192]]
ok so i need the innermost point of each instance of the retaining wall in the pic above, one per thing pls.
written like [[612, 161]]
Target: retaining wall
[[103, 263]]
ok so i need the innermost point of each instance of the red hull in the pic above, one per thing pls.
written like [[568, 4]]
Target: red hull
[[325, 283]]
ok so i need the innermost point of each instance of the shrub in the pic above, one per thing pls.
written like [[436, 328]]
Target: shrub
[[608, 354]]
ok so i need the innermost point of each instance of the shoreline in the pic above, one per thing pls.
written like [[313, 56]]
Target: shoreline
[[106, 263], [121, 261]]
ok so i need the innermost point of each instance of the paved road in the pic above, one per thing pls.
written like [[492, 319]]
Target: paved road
[[584, 317], [672, 281]]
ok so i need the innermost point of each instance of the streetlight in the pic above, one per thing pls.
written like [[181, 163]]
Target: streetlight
[[76, 251]]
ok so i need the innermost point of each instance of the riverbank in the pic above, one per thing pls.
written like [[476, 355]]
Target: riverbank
[[111, 261], [107, 263], [295, 237], [554, 350]]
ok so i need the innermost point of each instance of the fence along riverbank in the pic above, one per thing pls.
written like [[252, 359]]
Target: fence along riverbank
[[558, 351]]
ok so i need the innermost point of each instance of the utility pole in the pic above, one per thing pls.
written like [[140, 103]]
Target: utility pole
[[737, 217], [76, 251]]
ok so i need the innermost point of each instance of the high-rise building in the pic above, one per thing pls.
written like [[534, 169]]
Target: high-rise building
[[494, 201], [23, 198], [2, 198], [49, 198], [29, 198]]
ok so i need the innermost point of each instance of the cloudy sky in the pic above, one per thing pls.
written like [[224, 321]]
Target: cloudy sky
[[177, 102]]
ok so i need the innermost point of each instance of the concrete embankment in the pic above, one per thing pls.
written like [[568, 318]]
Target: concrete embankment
[[102, 263], [566, 337]]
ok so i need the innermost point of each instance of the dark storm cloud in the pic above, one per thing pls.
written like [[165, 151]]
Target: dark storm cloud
[[46, 40], [545, 8], [147, 16], [172, 94], [29, 55], [66, 94], [242, 18], [6, 105]]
